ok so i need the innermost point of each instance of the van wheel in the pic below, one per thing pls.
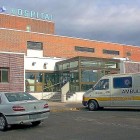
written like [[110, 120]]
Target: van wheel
[[3, 123], [93, 105]]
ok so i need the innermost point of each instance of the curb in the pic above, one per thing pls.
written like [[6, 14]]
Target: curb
[[67, 109]]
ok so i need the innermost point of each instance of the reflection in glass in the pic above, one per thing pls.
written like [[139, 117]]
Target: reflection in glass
[[101, 64], [74, 76], [32, 88], [89, 75], [49, 77], [85, 87], [59, 67], [102, 85], [110, 65], [4, 75], [39, 77], [66, 66], [107, 72], [88, 63], [101, 73], [74, 87], [30, 77], [73, 64]]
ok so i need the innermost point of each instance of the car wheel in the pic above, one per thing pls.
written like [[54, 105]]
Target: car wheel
[[3, 123], [36, 123], [93, 105]]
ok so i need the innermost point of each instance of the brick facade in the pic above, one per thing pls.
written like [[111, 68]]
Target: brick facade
[[14, 37], [20, 23], [15, 63]]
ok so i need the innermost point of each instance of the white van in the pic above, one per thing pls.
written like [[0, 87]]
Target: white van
[[117, 90]]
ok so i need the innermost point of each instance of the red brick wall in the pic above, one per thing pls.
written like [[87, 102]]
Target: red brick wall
[[20, 23], [135, 53], [131, 67], [15, 63], [54, 46]]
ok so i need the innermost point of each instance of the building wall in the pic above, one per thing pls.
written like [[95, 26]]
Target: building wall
[[129, 67], [135, 53], [14, 37], [15, 63], [20, 23], [39, 63]]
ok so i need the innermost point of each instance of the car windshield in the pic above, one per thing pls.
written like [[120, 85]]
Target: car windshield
[[21, 96]]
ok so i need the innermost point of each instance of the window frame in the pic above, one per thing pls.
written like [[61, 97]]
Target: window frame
[[34, 48], [111, 52], [128, 54], [84, 49], [1, 74], [124, 82], [102, 85], [28, 28]]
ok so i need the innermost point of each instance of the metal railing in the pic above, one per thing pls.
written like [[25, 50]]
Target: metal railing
[[64, 89], [48, 88]]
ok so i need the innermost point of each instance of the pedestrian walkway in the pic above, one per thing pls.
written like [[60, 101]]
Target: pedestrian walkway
[[64, 106]]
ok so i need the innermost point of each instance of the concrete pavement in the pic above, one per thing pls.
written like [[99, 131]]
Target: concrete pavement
[[65, 106], [69, 106]]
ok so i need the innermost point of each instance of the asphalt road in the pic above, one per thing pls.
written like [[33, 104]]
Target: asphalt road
[[108, 124]]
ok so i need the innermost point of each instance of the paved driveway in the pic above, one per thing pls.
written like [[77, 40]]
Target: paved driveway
[[109, 124]]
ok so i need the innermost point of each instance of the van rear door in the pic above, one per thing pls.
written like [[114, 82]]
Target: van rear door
[[136, 89]]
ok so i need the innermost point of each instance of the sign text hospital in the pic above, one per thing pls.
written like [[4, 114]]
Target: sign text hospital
[[31, 14]]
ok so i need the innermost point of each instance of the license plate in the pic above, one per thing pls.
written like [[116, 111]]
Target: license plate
[[34, 116]]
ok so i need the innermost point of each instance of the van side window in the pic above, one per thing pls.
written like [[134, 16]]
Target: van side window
[[122, 82], [102, 85]]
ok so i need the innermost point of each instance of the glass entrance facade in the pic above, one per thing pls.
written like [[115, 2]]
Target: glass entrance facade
[[84, 72], [81, 72]]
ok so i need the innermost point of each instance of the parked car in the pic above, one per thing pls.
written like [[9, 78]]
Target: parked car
[[21, 107]]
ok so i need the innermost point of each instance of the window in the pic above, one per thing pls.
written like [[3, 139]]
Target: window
[[101, 73], [111, 65], [102, 85], [34, 45], [128, 53], [112, 52], [84, 49], [88, 63], [66, 66], [30, 77], [122, 82], [12, 97], [39, 77], [73, 64], [85, 87], [4, 74], [74, 76], [28, 27], [0, 99], [89, 75]]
